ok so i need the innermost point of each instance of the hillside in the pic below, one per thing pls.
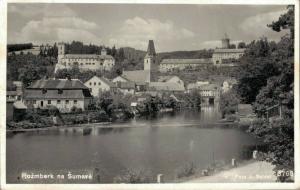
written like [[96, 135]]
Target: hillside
[[134, 58]]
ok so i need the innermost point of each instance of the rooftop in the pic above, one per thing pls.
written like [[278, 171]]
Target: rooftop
[[137, 76], [165, 78], [229, 50], [87, 56], [105, 80], [126, 85], [186, 61], [57, 84], [166, 86], [151, 49], [209, 87], [53, 94]]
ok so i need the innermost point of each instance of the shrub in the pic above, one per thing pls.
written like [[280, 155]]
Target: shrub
[[134, 176], [186, 170]]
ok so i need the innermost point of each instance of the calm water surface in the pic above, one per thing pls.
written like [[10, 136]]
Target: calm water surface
[[161, 145]]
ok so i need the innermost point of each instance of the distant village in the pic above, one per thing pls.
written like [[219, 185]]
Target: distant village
[[69, 94]]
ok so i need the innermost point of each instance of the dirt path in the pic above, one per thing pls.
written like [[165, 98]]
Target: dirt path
[[253, 172]]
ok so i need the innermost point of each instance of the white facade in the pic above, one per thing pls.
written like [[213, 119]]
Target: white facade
[[171, 64], [98, 85], [84, 61], [226, 56], [64, 105]]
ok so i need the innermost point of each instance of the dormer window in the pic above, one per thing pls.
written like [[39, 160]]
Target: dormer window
[[60, 91], [44, 91]]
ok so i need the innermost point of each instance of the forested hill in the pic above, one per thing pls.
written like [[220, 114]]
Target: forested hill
[[138, 55]]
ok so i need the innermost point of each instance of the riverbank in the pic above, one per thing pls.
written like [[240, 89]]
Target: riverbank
[[113, 125], [249, 171]]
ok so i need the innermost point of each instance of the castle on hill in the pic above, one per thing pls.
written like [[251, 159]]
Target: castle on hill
[[83, 61]]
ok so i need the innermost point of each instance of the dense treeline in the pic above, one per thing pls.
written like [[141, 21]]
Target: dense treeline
[[266, 79], [28, 68], [18, 47]]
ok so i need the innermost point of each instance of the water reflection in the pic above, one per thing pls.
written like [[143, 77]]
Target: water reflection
[[160, 145]]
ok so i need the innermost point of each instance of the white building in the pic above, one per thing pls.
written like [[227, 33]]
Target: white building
[[226, 56], [99, 85], [126, 87], [196, 86], [172, 64], [84, 61], [61, 93]]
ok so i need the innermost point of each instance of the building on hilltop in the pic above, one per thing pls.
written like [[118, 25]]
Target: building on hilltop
[[226, 56], [61, 93], [172, 64], [225, 42], [84, 61]]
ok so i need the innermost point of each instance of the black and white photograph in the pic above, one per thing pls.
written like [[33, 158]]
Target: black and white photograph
[[150, 93]]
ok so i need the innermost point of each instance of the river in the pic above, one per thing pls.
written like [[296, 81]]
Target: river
[[160, 146]]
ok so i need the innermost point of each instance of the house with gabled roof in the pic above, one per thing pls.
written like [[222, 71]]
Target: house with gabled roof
[[61, 93], [99, 85]]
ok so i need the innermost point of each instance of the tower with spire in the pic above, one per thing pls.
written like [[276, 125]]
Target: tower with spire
[[150, 62]]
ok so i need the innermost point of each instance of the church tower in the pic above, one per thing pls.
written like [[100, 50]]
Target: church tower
[[150, 62]]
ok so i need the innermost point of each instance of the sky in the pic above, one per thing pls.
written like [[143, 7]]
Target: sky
[[172, 27]]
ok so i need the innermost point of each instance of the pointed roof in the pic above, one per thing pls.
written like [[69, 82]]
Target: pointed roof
[[151, 49]]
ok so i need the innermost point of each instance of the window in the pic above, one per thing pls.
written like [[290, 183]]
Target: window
[[94, 83], [58, 101], [75, 101], [49, 101], [90, 83], [44, 91], [67, 101], [99, 83]]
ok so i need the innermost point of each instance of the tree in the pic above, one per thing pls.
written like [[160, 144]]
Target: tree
[[113, 51], [285, 21], [242, 45], [232, 46], [278, 133], [120, 55], [257, 65], [55, 51], [228, 103]]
